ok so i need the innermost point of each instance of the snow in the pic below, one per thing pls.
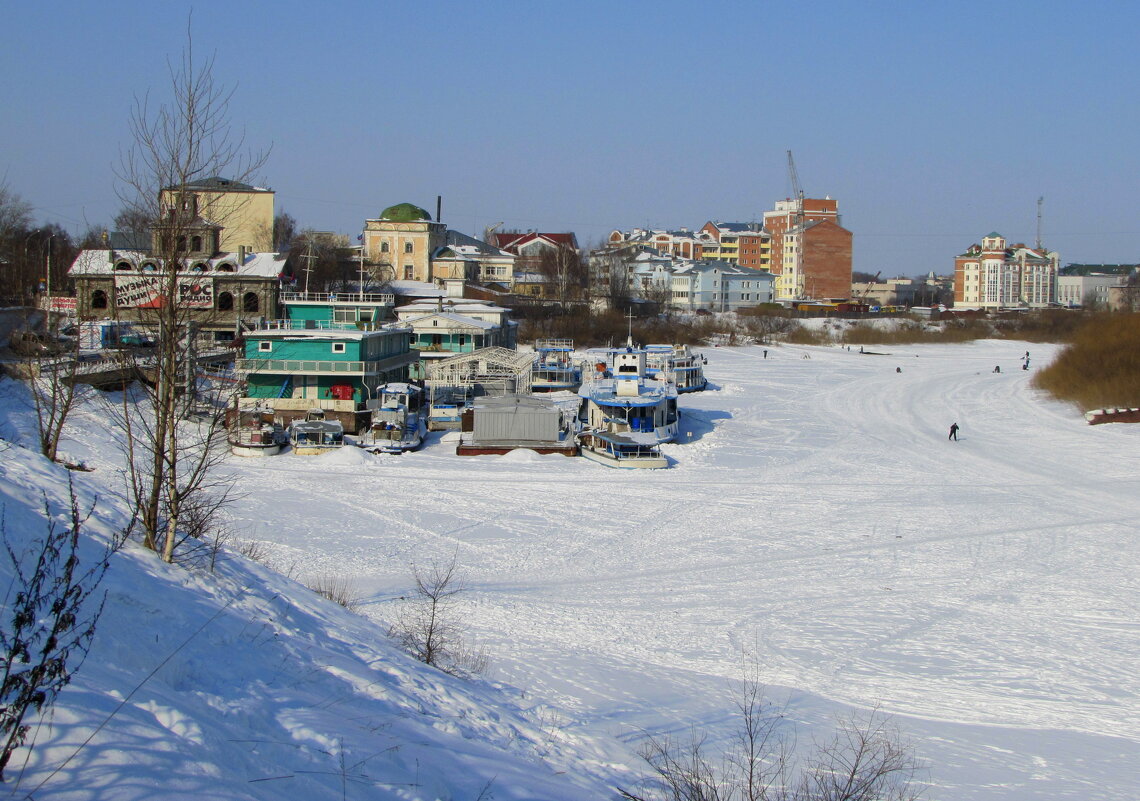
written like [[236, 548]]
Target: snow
[[815, 522]]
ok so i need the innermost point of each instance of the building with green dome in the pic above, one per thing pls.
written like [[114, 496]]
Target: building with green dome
[[400, 242]]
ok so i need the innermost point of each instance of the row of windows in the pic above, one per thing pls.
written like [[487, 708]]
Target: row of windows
[[385, 248], [196, 267], [250, 302], [266, 346]]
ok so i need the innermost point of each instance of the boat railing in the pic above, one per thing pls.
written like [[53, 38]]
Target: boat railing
[[331, 325], [383, 298], [554, 344]]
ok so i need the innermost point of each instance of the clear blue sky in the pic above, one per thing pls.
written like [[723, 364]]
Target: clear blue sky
[[931, 123]]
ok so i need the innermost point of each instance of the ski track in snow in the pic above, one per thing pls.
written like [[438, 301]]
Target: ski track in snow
[[817, 521]]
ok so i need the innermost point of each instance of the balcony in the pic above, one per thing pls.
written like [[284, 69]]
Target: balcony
[[245, 367]]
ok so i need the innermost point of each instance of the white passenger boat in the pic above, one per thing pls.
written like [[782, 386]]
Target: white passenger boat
[[620, 398], [397, 422], [625, 413]]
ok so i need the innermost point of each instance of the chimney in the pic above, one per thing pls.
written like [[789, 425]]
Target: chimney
[[439, 208]]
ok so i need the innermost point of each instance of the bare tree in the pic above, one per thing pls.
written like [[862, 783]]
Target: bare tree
[[427, 626], [866, 760], [564, 271], [174, 144], [610, 277], [53, 385], [284, 230], [49, 623]]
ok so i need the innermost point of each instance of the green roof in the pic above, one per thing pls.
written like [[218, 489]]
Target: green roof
[[404, 212]]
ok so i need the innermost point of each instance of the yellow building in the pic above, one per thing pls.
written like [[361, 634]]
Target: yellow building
[[244, 212]]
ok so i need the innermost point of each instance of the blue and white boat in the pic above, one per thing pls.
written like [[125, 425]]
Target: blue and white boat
[[398, 421], [626, 413], [554, 367]]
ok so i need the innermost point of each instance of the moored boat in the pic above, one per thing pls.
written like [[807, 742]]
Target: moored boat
[[554, 366], [620, 398], [397, 422], [315, 434], [628, 450], [678, 364], [253, 432]]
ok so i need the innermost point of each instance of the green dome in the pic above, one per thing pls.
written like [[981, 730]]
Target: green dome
[[404, 212]]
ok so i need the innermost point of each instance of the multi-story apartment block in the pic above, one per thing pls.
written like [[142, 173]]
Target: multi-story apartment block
[[682, 243], [811, 252], [995, 275], [1090, 289], [720, 286], [746, 244]]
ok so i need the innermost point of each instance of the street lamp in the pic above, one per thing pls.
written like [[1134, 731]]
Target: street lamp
[[27, 239]]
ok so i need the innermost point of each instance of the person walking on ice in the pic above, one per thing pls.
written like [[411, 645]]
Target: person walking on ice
[[953, 432]]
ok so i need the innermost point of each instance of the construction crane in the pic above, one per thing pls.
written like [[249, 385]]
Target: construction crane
[[862, 296], [797, 192], [797, 224]]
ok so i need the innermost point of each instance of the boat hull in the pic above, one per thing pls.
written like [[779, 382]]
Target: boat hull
[[255, 451], [314, 450], [642, 462]]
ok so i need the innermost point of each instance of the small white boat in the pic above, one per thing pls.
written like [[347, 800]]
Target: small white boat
[[315, 434], [254, 433], [447, 407], [554, 367], [626, 450], [677, 364], [397, 422]]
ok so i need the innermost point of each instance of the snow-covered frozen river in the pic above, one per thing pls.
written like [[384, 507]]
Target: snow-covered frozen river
[[816, 522]]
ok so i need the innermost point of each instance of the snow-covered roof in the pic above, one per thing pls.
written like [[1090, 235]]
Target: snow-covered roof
[[725, 267], [104, 262], [459, 306], [454, 319], [416, 289]]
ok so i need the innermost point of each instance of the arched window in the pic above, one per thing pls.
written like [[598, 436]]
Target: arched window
[[124, 265], [225, 267], [249, 302], [149, 267], [196, 244], [199, 267], [225, 302], [407, 247], [181, 244], [98, 299], [383, 247]]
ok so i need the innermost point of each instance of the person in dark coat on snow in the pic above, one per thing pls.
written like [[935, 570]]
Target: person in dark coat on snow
[[953, 432]]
